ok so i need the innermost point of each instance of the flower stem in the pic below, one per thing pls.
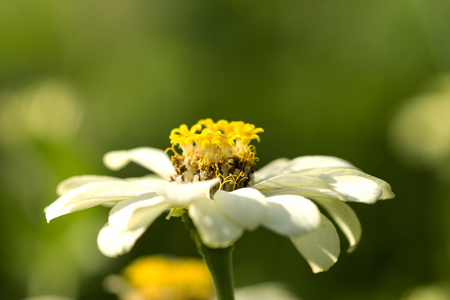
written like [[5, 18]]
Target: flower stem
[[219, 262]]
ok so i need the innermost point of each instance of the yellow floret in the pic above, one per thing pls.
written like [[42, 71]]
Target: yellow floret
[[207, 133]]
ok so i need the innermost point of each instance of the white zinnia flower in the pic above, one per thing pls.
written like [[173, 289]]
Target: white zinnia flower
[[214, 181]]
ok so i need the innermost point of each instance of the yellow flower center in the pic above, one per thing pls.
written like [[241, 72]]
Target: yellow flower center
[[160, 278], [215, 149]]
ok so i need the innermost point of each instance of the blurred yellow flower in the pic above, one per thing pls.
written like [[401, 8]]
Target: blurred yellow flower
[[161, 278], [214, 181]]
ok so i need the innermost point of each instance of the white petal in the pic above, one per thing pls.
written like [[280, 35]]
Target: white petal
[[138, 212], [77, 181], [271, 290], [155, 160], [320, 247], [93, 194], [113, 243], [291, 215], [290, 180], [148, 180], [385, 187], [316, 164], [181, 194], [310, 193], [353, 188], [246, 207], [214, 229], [344, 217], [272, 169], [297, 184]]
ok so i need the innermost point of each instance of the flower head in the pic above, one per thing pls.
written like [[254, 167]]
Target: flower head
[[215, 150], [213, 179]]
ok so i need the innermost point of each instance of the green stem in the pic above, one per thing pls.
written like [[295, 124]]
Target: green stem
[[219, 262]]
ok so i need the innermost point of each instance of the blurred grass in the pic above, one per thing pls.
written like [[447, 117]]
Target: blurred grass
[[320, 77]]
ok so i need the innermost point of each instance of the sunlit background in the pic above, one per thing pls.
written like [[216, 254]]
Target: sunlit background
[[362, 80]]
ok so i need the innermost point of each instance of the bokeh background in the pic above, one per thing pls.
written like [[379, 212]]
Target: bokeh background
[[362, 80]]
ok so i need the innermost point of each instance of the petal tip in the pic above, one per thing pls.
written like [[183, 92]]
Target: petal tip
[[112, 243], [116, 160], [52, 213]]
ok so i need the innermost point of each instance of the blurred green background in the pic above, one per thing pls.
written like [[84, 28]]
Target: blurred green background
[[344, 78]]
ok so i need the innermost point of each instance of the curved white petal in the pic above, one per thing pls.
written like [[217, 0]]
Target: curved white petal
[[246, 207], [77, 181], [155, 160], [181, 194], [352, 187], [290, 180], [296, 184], [291, 215], [93, 194], [272, 169], [385, 187], [148, 180], [307, 192], [138, 212], [316, 164], [344, 216], [214, 229], [113, 243], [320, 247]]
